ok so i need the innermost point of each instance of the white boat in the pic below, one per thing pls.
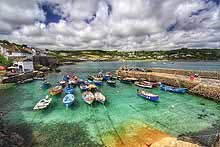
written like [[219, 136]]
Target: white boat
[[43, 103], [88, 97], [100, 97]]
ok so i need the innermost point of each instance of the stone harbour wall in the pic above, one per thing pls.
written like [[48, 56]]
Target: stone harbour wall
[[200, 87]]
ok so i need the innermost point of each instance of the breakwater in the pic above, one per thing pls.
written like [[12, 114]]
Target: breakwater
[[19, 77], [206, 85]]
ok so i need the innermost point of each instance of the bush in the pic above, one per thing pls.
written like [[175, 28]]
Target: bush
[[4, 61]]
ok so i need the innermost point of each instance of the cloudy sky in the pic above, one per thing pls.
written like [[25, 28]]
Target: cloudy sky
[[111, 24]]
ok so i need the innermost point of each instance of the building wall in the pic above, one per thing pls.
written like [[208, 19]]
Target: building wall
[[26, 65]]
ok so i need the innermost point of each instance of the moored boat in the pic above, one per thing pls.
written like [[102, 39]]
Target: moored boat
[[69, 90], [111, 83], [97, 83], [43, 103], [99, 97], [90, 77], [62, 83], [84, 87], [56, 90], [68, 100], [107, 76], [147, 95], [88, 97], [144, 85], [172, 89], [126, 81], [154, 85]]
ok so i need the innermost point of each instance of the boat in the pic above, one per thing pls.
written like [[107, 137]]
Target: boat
[[68, 100], [172, 89], [56, 90], [92, 87], [147, 95], [97, 83], [97, 78], [43, 103], [107, 76], [154, 85], [126, 81], [69, 90], [111, 83], [26, 81], [90, 77], [46, 85], [66, 78], [74, 82], [88, 97], [99, 97], [62, 83], [144, 85], [84, 87]]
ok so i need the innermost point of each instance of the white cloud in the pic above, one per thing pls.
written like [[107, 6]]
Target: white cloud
[[132, 24]]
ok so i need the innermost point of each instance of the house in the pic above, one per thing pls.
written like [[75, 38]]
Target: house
[[24, 64], [21, 55]]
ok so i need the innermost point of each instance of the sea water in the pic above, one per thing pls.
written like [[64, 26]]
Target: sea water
[[124, 112]]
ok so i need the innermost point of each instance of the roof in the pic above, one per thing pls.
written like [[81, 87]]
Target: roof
[[22, 59], [16, 48]]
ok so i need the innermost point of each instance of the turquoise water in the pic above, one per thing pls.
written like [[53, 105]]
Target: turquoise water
[[174, 114]]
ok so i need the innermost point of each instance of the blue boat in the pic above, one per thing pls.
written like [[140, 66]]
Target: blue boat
[[46, 85], [147, 95], [69, 90], [66, 78], [172, 89], [68, 100], [97, 83], [84, 87]]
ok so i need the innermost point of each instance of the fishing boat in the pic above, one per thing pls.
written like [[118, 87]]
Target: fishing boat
[[111, 83], [92, 87], [26, 81], [107, 76], [99, 97], [154, 85], [68, 100], [147, 95], [56, 90], [90, 77], [88, 97], [69, 90], [144, 85], [84, 87], [126, 81], [97, 78], [62, 83], [66, 78], [46, 85], [172, 89], [43, 103], [97, 83]]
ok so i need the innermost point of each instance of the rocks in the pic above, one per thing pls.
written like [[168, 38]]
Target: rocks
[[172, 142]]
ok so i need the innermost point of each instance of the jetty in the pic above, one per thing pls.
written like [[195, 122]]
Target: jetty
[[206, 84]]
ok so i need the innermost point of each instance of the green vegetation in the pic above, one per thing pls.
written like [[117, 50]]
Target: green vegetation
[[99, 55], [4, 61]]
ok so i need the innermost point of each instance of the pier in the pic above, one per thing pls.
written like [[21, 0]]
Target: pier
[[207, 84]]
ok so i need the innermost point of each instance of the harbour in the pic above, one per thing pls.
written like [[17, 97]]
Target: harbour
[[122, 121]]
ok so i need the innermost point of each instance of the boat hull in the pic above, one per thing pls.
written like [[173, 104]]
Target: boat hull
[[172, 89], [68, 100]]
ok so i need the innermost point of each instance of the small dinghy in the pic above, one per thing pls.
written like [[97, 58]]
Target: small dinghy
[[69, 90], [90, 77], [107, 76], [97, 83], [62, 83], [46, 85], [172, 89], [43, 103], [144, 85], [68, 100], [147, 95], [88, 97], [26, 81], [99, 97], [56, 90], [84, 87], [66, 78], [154, 85], [111, 83]]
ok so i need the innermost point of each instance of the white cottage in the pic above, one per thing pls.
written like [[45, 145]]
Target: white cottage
[[24, 64]]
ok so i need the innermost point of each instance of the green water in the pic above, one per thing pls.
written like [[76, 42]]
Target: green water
[[174, 114]]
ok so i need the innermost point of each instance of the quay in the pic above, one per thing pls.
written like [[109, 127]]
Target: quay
[[207, 84]]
